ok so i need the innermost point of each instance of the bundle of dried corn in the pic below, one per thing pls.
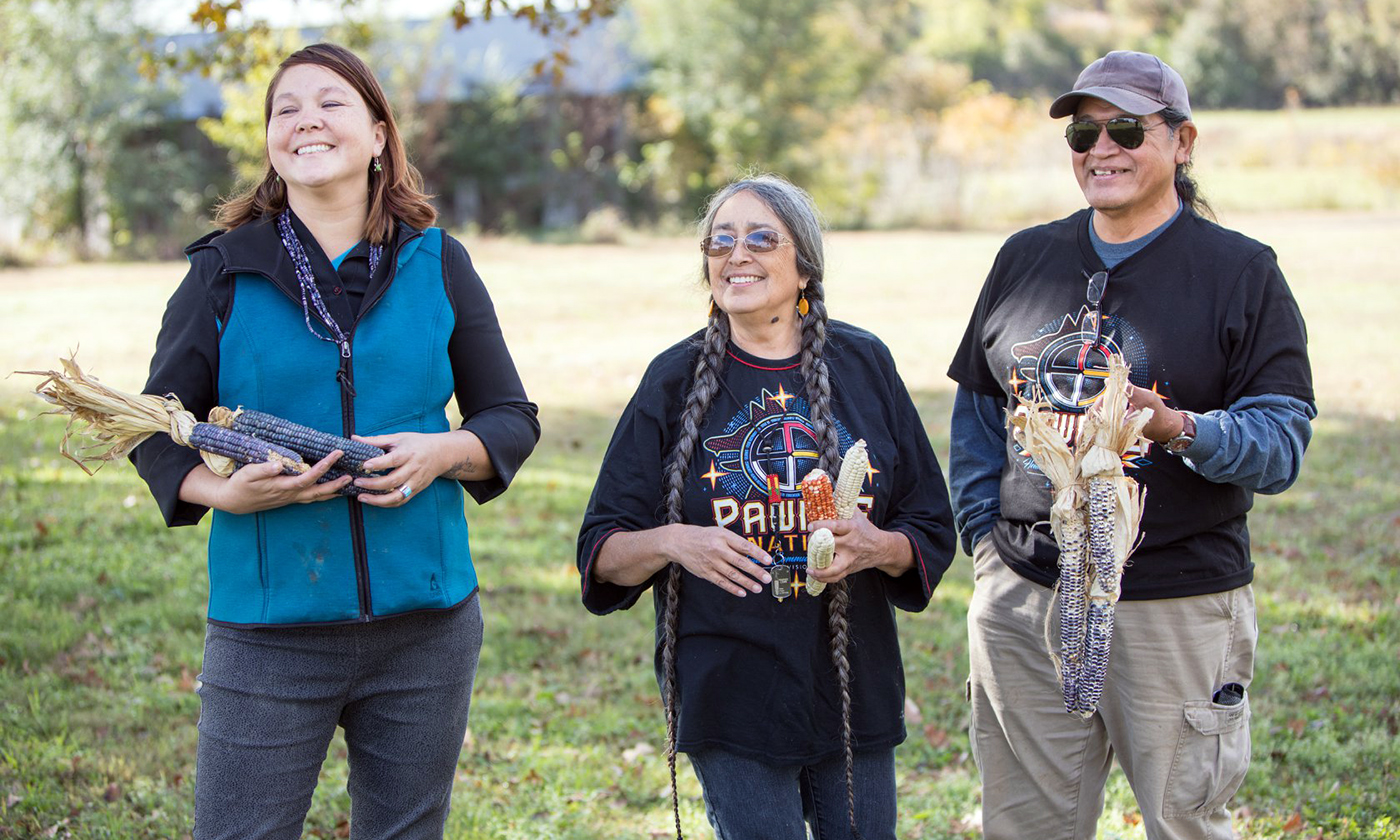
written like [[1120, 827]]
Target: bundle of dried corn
[[116, 422], [1095, 518], [1115, 509], [822, 501], [1035, 429]]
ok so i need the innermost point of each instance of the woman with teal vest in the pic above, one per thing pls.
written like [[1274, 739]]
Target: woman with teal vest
[[330, 300]]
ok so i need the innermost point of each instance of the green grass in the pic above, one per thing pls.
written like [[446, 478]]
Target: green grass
[[101, 614]]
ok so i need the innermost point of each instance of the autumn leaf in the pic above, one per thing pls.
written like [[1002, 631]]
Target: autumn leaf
[[631, 754], [1294, 823], [936, 736], [912, 715]]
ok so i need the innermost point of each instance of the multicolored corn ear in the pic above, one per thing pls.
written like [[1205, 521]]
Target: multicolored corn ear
[[1098, 639], [854, 466], [244, 448], [817, 497], [313, 445], [821, 550], [349, 490], [1071, 594]]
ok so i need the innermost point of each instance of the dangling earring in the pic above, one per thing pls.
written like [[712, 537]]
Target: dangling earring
[[276, 179], [802, 306], [378, 167], [713, 307]]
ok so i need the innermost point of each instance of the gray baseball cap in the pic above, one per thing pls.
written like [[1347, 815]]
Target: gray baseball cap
[[1138, 83]]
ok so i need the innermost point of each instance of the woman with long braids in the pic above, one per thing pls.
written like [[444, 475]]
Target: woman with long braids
[[329, 299], [789, 705]]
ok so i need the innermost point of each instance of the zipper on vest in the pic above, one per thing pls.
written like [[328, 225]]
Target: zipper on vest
[[346, 377]]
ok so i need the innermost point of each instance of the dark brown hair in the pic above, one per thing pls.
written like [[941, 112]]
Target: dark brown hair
[[1186, 187], [395, 193], [798, 212]]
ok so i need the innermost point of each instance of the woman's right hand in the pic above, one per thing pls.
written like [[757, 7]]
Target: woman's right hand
[[262, 486], [719, 556], [712, 553]]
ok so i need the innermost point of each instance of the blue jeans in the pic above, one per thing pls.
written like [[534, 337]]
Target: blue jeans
[[272, 697], [746, 799]]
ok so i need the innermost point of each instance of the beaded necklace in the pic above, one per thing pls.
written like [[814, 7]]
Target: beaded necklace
[[306, 278]]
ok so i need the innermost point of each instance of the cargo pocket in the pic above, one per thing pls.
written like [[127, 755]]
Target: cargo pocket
[[1212, 756]]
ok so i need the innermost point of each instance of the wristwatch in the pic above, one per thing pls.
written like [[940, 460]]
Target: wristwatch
[[1186, 437]]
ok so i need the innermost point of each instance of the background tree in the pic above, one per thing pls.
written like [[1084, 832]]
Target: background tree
[[65, 112]]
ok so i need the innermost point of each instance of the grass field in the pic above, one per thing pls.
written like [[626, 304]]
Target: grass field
[[101, 614]]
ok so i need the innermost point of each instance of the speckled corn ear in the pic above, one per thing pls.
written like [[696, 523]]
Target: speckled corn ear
[[311, 444], [817, 497], [244, 448]]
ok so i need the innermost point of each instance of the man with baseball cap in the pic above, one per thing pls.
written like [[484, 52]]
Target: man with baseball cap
[[1218, 352]]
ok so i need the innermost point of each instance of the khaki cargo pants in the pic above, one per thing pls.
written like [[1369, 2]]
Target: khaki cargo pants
[[1043, 770]]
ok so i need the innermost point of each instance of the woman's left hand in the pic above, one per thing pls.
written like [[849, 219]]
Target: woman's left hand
[[859, 546], [413, 460]]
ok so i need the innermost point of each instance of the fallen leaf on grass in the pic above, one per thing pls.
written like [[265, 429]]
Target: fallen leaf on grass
[[1293, 824], [1296, 726], [936, 736], [631, 754]]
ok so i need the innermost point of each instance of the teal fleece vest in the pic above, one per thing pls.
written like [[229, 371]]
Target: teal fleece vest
[[303, 564]]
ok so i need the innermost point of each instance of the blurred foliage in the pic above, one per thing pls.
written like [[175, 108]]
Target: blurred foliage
[[233, 50], [1268, 53], [91, 151], [892, 112]]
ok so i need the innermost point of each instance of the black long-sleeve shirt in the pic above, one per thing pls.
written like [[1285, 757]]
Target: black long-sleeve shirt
[[755, 673]]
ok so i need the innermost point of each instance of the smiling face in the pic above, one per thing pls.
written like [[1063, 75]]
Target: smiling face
[[1131, 185], [321, 134], [749, 286]]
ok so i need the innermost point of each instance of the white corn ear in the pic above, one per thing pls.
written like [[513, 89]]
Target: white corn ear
[[821, 550], [854, 467]]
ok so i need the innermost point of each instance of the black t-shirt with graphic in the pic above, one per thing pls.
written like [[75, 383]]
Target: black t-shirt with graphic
[[1202, 314], [755, 675]]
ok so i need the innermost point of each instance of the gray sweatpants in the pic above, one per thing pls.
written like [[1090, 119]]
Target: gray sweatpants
[[1043, 770], [271, 700]]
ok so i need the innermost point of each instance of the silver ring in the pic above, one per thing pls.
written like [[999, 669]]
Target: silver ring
[[406, 491]]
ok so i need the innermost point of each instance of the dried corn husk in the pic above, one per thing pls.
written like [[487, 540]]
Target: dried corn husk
[[116, 422]]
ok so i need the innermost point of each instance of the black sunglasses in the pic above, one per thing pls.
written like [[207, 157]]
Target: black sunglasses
[[1098, 283], [1128, 132], [758, 242]]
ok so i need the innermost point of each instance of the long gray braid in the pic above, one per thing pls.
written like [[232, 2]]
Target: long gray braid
[[697, 403], [817, 383]]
